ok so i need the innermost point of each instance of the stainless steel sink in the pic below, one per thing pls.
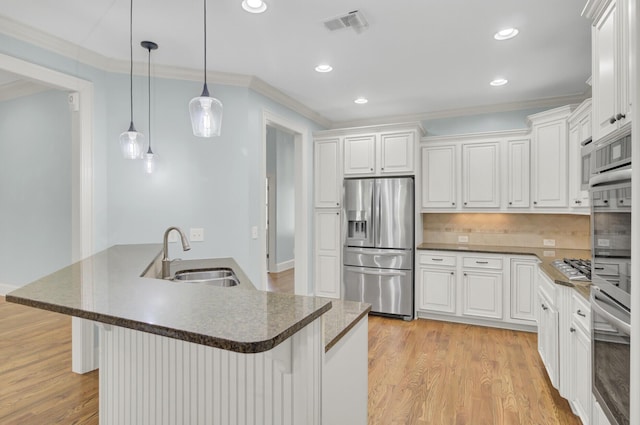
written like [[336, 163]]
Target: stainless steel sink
[[216, 276]]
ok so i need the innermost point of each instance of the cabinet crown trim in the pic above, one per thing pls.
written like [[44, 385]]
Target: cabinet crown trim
[[551, 114], [489, 135], [594, 9], [408, 126]]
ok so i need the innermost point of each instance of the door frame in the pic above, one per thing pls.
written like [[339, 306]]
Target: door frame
[[81, 101], [301, 172], [272, 227]]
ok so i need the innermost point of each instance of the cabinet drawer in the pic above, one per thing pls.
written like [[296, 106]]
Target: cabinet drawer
[[482, 262], [606, 269], [437, 260], [547, 286], [581, 312]]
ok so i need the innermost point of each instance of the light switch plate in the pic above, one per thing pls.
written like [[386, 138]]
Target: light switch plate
[[196, 234], [254, 232], [549, 242]]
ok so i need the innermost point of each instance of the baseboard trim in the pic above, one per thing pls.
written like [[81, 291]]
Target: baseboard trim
[[285, 265], [6, 288]]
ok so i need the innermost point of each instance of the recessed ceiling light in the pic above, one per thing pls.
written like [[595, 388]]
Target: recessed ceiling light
[[506, 34], [254, 6], [361, 100], [324, 68], [499, 82]]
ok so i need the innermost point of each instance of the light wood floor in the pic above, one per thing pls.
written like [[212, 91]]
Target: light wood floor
[[422, 372], [281, 282]]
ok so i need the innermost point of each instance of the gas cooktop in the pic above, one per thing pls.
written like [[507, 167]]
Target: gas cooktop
[[574, 269]]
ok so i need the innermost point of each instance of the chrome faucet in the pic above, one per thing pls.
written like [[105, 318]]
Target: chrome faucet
[[166, 263]]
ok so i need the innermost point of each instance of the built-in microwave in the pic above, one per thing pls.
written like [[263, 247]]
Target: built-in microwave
[[611, 154], [586, 164]]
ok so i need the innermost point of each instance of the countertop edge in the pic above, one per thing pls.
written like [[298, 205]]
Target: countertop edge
[[329, 345], [215, 342]]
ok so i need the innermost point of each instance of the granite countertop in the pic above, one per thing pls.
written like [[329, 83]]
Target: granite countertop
[[108, 287], [545, 255], [342, 317]]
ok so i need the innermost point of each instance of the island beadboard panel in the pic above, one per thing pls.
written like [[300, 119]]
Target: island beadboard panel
[[156, 380]]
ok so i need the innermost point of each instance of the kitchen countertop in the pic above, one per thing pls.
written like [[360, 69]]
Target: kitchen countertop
[[545, 255], [108, 287]]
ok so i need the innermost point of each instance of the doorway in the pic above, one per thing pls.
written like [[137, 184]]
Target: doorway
[[285, 232], [79, 92]]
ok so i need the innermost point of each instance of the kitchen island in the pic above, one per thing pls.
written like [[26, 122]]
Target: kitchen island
[[190, 353]]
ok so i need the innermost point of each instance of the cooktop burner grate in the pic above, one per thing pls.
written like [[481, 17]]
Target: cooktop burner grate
[[574, 269]]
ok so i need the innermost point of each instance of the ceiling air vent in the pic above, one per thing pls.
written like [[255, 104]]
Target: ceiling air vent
[[354, 20]]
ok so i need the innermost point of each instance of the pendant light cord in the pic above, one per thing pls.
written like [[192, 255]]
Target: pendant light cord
[[131, 58], [149, 87], [205, 43]]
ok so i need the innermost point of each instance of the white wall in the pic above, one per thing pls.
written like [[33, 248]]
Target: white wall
[[35, 186], [498, 121]]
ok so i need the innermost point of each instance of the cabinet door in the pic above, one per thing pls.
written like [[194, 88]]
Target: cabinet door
[[550, 164], [439, 177], [480, 175], [397, 153], [605, 67], [577, 197], [327, 175], [597, 416], [482, 294], [437, 290], [518, 176], [327, 253], [580, 376], [523, 289], [359, 154], [548, 337]]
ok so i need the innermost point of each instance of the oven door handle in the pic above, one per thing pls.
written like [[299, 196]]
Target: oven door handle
[[620, 324], [610, 177]]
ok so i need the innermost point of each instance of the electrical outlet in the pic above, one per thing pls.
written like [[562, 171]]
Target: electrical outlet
[[549, 242], [196, 234], [463, 238], [254, 232]]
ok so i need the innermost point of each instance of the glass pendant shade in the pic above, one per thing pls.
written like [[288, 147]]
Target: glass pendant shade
[[206, 115], [131, 143], [150, 162]]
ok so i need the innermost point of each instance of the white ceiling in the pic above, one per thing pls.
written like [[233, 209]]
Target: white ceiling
[[417, 57]]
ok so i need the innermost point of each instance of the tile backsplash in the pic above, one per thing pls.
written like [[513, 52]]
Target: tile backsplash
[[529, 230]]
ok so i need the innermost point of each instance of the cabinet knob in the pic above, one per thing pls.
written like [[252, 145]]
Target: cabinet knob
[[510, 203], [535, 202], [371, 169], [453, 203], [580, 313], [544, 307], [381, 168], [337, 213], [612, 120], [464, 274], [465, 203], [338, 203], [452, 273], [621, 201], [606, 201], [620, 117], [572, 329], [578, 201]]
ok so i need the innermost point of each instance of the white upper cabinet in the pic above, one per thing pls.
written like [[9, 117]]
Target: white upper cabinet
[[439, 170], [481, 175], [360, 154], [327, 173], [397, 152], [610, 59], [377, 150], [518, 175], [549, 165], [579, 165]]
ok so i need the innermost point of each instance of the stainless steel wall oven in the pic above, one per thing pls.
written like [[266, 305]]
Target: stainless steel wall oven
[[610, 192]]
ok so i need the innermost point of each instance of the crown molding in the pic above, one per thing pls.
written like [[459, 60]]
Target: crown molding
[[594, 9], [20, 88], [500, 134], [549, 102], [64, 48], [397, 126], [273, 93], [552, 114]]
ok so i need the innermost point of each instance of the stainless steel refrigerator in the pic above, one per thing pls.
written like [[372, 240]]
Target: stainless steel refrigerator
[[379, 243]]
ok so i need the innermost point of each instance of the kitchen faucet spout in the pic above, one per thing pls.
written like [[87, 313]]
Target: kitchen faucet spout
[[166, 262]]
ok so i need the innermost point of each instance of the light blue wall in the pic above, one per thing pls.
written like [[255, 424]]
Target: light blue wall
[[215, 183], [498, 121], [35, 186]]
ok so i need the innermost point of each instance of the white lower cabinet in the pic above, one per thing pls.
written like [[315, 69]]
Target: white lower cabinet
[[548, 336], [437, 291], [597, 416], [327, 253], [579, 359], [476, 288], [482, 294]]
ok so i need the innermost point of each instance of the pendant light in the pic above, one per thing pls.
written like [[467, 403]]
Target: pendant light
[[205, 111], [149, 158], [131, 141]]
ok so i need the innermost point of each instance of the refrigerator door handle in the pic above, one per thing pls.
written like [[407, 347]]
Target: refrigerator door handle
[[378, 215], [376, 272]]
